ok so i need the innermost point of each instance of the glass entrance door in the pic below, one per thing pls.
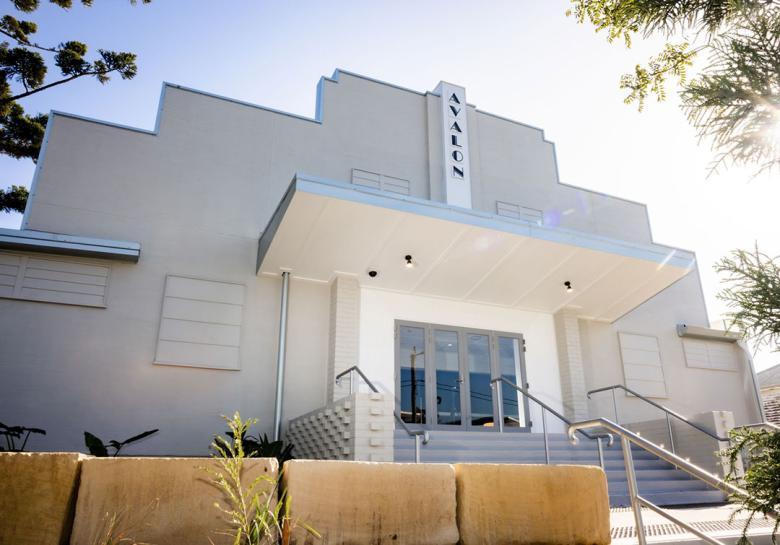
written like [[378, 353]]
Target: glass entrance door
[[410, 348], [444, 376], [448, 377], [478, 356], [510, 367]]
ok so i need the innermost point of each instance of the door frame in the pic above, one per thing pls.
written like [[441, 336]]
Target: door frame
[[430, 378]]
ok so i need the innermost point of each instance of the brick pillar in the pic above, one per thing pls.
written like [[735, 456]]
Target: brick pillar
[[573, 390], [344, 329]]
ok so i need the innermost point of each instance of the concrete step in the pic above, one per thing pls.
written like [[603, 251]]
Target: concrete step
[[656, 485], [556, 440], [515, 437], [667, 499], [657, 480], [667, 474], [487, 455], [527, 451]]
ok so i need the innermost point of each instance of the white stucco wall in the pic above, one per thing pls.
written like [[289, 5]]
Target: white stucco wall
[[198, 193], [73, 369], [690, 390], [379, 309]]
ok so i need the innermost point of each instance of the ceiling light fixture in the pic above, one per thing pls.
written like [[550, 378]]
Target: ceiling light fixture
[[569, 289], [409, 262]]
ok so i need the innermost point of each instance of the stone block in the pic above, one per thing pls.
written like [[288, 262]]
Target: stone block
[[532, 504], [357, 503], [37, 496], [164, 501]]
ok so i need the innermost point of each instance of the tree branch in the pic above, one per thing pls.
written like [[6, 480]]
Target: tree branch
[[54, 84], [29, 44]]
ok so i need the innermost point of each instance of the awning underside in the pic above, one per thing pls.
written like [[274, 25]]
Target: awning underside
[[327, 228]]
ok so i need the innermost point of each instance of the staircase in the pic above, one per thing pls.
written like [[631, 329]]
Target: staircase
[[658, 481]]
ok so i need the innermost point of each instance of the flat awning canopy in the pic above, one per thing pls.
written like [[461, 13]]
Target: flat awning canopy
[[57, 243], [323, 228]]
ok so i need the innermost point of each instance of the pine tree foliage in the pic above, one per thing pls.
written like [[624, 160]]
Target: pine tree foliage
[[735, 101], [674, 60], [753, 292], [24, 67], [759, 451], [13, 199]]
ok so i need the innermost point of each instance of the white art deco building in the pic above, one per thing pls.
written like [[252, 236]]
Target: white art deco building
[[164, 277]]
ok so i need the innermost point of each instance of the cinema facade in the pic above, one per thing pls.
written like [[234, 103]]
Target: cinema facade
[[242, 258]]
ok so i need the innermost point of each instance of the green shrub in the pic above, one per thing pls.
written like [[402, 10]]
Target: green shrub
[[262, 447], [14, 433], [760, 450], [257, 514], [96, 446]]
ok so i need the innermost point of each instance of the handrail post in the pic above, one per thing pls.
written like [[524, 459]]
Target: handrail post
[[546, 439], [671, 437], [417, 440], [354, 385], [614, 406], [601, 452], [500, 399], [633, 491]]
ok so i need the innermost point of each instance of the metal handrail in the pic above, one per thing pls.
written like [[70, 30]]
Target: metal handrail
[[637, 501], [420, 436], [497, 382], [668, 412]]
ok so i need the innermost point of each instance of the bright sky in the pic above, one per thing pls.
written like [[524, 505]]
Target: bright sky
[[522, 59]]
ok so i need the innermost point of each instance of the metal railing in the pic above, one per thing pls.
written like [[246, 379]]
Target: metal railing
[[667, 412], [498, 382], [421, 437], [627, 437]]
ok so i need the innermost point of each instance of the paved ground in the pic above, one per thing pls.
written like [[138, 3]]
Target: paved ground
[[713, 521]]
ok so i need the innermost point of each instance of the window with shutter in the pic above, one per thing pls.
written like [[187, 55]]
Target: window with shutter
[[704, 354], [53, 279]]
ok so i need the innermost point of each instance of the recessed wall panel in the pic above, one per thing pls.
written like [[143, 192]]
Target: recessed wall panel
[[200, 323]]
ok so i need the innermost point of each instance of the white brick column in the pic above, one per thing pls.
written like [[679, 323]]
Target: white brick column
[[573, 390], [344, 329]]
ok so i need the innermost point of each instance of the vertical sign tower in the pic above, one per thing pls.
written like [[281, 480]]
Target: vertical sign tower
[[457, 178]]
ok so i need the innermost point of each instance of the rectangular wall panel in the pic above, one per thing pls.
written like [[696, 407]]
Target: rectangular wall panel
[[53, 279], [711, 354], [200, 325], [642, 366]]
